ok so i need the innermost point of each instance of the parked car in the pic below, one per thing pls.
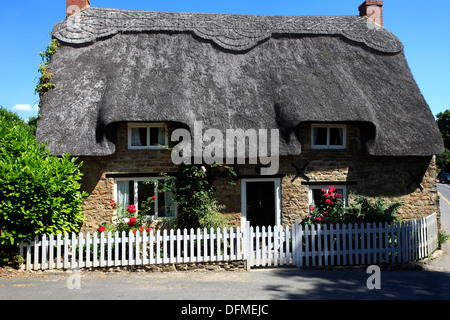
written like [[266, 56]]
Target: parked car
[[444, 177]]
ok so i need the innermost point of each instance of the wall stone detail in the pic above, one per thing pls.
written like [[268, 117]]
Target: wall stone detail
[[388, 178]]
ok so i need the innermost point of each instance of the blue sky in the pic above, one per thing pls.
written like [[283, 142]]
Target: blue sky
[[422, 26]]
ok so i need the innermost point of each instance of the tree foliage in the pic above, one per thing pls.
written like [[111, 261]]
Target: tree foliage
[[45, 79], [194, 193], [40, 194], [443, 121]]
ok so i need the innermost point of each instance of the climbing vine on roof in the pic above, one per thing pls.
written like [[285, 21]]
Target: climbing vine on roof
[[45, 84]]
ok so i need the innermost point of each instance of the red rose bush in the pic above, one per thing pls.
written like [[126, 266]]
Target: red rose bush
[[330, 209], [126, 218]]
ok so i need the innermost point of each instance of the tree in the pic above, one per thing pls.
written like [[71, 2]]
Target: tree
[[193, 191], [443, 121], [32, 122], [40, 194]]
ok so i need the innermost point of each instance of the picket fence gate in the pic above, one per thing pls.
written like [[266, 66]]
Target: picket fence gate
[[298, 245]]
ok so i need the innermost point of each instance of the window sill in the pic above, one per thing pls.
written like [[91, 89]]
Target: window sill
[[328, 147], [147, 148]]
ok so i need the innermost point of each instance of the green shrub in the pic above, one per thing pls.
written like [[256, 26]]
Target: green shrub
[[45, 79], [376, 211], [40, 194], [194, 193], [330, 209], [443, 237]]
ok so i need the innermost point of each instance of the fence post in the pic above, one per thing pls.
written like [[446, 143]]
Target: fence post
[[36, 252], [28, 257], [246, 246], [402, 247], [299, 240], [44, 252], [294, 243], [432, 232]]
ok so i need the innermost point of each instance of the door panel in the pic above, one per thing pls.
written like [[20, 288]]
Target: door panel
[[261, 203]]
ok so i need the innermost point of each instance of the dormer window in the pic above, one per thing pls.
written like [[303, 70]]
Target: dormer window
[[328, 136], [147, 136]]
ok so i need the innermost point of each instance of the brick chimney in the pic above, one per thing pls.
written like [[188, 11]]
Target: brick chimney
[[373, 10], [73, 6]]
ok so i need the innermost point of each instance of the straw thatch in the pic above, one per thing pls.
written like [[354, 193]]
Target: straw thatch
[[231, 71]]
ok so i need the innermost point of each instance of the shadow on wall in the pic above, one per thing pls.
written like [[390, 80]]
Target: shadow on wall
[[92, 169], [392, 176]]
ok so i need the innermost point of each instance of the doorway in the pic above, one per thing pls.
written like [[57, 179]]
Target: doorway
[[261, 202]]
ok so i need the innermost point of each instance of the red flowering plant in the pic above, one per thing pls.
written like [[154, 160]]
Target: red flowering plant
[[329, 208], [126, 219]]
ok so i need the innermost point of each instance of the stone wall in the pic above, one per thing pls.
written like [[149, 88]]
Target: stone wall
[[236, 265], [389, 178], [101, 189], [385, 177]]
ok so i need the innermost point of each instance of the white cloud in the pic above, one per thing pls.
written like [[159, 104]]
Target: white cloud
[[25, 107]]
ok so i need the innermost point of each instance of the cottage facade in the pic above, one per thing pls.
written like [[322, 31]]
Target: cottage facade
[[337, 89]]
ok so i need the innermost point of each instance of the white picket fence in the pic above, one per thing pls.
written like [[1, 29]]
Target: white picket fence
[[128, 249], [365, 244], [302, 246]]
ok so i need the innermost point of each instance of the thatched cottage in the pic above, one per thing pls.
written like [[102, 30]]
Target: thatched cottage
[[337, 88]]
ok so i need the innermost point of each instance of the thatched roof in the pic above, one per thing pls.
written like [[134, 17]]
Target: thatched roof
[[231, 71]]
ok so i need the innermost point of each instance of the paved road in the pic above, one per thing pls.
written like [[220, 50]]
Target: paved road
[[432, 283], [265, 284], [443, 263]]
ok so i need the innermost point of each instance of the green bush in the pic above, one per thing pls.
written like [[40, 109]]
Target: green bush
[[330, 209], [40, 194], [376, 211], [194, 193]]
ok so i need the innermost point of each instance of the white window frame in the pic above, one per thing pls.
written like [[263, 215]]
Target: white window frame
[[327, 187], [277, 194], [328, 146], [136, 204], [148, 126]]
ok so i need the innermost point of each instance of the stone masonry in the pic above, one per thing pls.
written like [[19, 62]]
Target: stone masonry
[[390, 178]]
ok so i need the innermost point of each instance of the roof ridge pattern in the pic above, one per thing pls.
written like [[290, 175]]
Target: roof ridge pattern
[[236, 32]]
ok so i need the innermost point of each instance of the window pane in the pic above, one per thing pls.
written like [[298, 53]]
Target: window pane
[[146, 190], [154, 132], [156, 136], [138, 137], [165, 205], [125, 193], [161, 205], [340, 191], [320, 136], [336, 136], [161, 136], [316, 196]]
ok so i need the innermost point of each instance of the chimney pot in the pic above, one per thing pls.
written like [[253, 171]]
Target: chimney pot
[[373, 9], [73, 6]]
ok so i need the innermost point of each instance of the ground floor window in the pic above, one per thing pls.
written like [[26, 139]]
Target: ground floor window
[[315, 192], [137, 191]]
